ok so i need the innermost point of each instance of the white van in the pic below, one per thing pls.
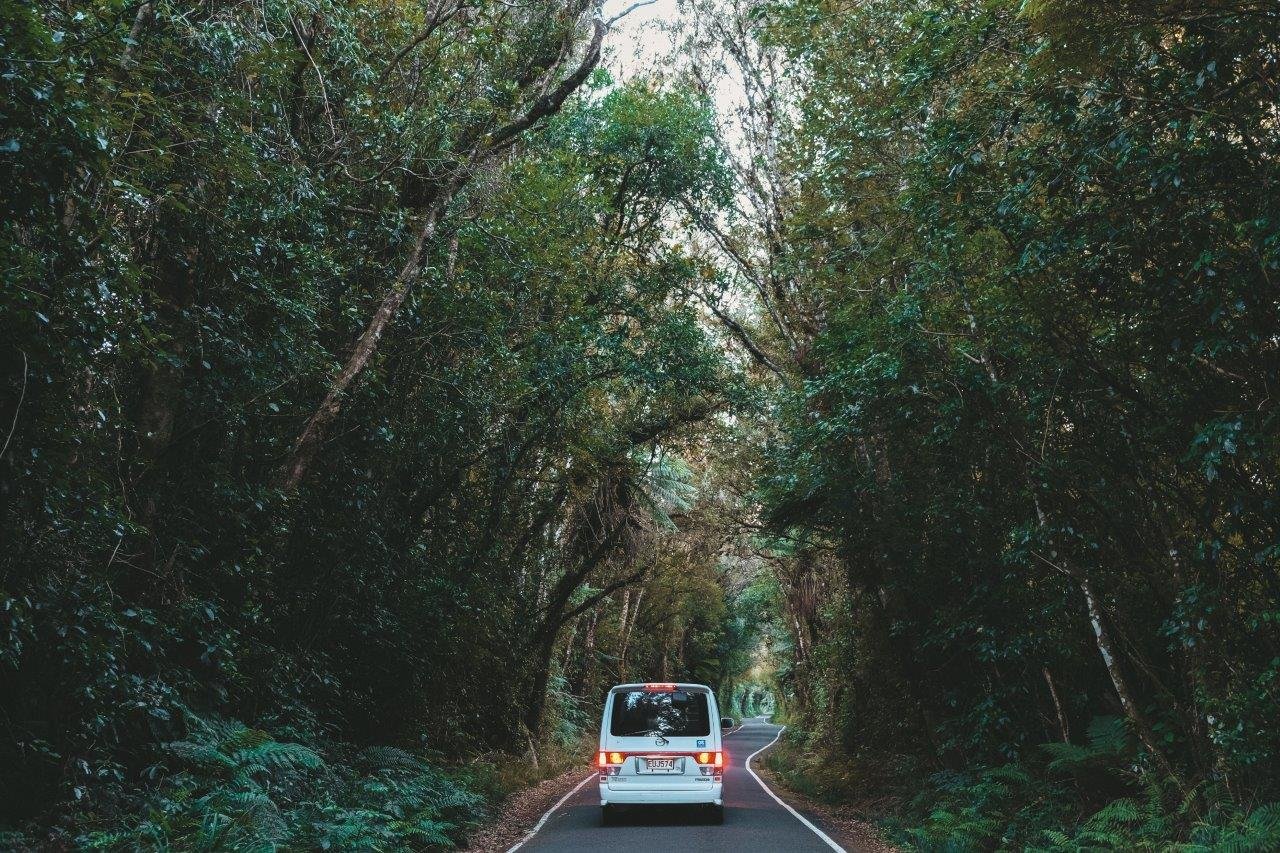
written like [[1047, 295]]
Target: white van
[[660, 744]]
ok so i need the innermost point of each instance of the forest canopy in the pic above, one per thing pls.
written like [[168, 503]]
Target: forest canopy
[[382, 381]]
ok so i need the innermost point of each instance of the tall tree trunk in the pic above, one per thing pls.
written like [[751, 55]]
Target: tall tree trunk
[[1106, 648], [1063, 727], [478, 150], [313, 434], [536, 697], [588, 650], [627, 628], [162, 386]]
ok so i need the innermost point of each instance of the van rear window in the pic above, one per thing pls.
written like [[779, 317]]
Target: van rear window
[[674, 713]]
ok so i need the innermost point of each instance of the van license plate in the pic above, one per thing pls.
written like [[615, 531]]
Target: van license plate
[[660, 765]]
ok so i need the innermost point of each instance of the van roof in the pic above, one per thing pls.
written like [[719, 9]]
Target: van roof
[[675, 685]]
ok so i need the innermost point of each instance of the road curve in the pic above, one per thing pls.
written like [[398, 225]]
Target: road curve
[[753, 820]]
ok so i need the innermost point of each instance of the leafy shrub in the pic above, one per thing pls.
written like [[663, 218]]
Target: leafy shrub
[[231, 787], [1109, 742], [1227, 829], [980, 810], [1014, 808]]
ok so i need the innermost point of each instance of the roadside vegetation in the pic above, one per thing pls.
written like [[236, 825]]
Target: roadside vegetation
[[1020, 266], [355, 415], [381, 381]]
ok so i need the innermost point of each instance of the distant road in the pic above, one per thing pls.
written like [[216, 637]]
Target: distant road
[[753, 820]]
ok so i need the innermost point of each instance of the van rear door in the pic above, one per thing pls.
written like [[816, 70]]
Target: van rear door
[[665, 735]]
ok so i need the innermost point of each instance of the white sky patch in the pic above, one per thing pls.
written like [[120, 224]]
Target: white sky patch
[[643, 44], [637, 44]]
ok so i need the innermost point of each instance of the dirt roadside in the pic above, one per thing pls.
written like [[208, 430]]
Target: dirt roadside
[[521, 811], [843, 823]]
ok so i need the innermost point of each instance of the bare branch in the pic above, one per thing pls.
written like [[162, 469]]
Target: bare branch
[[550, 103], [627, 11], [438, 19], [18, 408]]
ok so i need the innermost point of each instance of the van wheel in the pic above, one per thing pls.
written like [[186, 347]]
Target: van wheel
[[716, 815], [608, 815]]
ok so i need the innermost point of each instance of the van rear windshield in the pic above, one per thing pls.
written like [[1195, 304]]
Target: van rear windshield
[[674, 713]]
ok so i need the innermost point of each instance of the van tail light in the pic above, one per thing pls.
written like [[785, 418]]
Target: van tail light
[[719, 759], [602, 760], [713, 759], [616, 758]]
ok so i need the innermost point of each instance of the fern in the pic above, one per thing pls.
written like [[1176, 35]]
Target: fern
[[1108, 744], [252, 818], [665, 489], [393, 759], [1057, 838], [1255, 832], [239, 737], [425, 830], [273, 757], [1117, 813], [201, 755], [233, 787]]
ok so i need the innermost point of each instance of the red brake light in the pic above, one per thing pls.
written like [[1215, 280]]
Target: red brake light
[[659, 688], [602, 760], [719, 759]]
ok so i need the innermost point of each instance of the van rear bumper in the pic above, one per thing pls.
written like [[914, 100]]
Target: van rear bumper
[[709, 795]]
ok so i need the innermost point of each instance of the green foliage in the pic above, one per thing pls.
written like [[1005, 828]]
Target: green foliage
[[974, 811], [1030, 450], [1109, 742], [1008, 809], [203, 208], [232, 787], [1232, 830]]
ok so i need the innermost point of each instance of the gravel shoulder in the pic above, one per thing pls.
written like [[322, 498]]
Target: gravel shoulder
[[842, 822], [522, 810], [847, 824]]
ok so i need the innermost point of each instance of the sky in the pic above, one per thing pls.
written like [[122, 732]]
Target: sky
[[636, 42]]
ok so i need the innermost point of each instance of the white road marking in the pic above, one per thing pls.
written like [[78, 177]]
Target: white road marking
[[780, 801], [547, 815], [560, 802]]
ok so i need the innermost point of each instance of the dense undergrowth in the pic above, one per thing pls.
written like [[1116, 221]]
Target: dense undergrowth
[[1017, 264], [1084, 797], [231, 787], [226, 786]]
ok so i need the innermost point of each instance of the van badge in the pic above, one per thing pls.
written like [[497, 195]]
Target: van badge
[[660, 741], [701, 743]]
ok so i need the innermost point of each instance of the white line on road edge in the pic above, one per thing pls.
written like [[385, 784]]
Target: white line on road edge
[[560, 802], [547, 815], [780, 801]]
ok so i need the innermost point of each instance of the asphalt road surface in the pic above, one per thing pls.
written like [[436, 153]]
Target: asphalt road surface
[[753, 820]]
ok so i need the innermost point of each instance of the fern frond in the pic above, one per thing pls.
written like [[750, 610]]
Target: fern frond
[[1264, 822], [393, 759], [242, 737], [201, 755], [273, 755], [1115, 814], [1108, 742], [251, 812]]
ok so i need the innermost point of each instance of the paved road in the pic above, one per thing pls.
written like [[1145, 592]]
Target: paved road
[[752, 819]]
